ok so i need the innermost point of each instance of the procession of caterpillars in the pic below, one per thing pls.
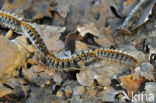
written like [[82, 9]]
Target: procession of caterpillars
[[12, 22]]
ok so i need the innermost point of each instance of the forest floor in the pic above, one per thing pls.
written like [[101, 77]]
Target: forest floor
[[71, 26]]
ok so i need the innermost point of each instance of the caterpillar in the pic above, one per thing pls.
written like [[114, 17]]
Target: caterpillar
[[117, 55], [34, 37], [53, 61], [12, 22], [114, 55], [136, 17], [9, 21]]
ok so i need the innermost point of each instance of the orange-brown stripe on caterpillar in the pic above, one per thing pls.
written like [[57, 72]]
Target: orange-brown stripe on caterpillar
[[9, 21], [34, 37]]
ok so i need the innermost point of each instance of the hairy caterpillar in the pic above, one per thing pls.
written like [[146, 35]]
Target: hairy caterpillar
[[53, 61], [9, 21], [34, 37], [137, 16], [114, 55], [12, 22], [117, 55]]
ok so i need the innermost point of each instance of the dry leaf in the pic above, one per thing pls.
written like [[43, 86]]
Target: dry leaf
[[146, 70], [80, 46], [103, 72], [12, 58], [16, 4], [39, 74], [27, 8], [9, 34], [18, 94], [131, 85], [105, 39], [70, 41], [4, 90]]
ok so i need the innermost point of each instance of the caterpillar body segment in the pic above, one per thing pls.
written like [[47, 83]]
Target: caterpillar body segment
[[9, 21], [34, 37]]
